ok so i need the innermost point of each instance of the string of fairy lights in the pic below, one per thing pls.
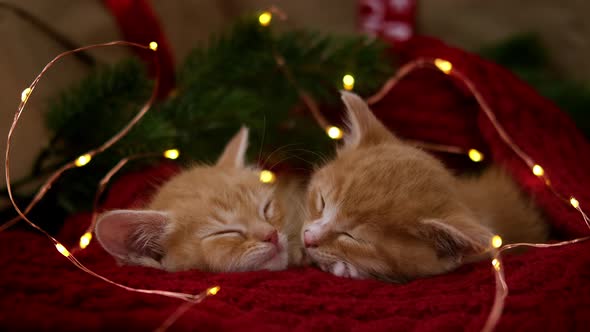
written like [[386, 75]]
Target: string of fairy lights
[[267, 176], [81, 161]]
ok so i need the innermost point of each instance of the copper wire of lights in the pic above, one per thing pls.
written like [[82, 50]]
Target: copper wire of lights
[[311, 104], [83, 160], [87, 236]]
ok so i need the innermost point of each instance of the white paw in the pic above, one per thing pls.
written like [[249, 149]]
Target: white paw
[[345, 270], [339, 269]]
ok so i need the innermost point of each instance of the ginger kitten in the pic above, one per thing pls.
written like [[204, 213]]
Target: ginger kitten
[[387, 210], [213, 218]]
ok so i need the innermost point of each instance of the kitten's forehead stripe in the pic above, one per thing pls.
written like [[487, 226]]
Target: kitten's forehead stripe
[[222, 217], [220, 203]]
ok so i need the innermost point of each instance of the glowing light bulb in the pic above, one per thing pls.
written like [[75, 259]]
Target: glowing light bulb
[[213, 290], [334, 132], [538, 170], [475, 155], [171, 154], [85, 240], [496, 264], [62, 250], [348, 82], [25, 94], [83, 160], [496, 241], [265, 18], [574, 202], [267, 176], [443, 65], [153, 46]]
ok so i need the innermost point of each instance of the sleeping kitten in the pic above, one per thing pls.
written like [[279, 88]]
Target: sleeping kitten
[[387, 210], [211, 218]]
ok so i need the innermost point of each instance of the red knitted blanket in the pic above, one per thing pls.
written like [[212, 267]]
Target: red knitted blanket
[[549, 288]]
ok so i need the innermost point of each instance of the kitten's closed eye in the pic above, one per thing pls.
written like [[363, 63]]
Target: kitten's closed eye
[[228, 232], [319, 203], [354, 238], [347, 236]]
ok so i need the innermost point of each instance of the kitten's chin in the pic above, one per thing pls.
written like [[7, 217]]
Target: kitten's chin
[[280, 259], [278, 262]]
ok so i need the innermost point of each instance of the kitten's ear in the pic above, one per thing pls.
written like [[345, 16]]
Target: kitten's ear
[[454, 240], [235, 150], [364, 128], [133, 236]]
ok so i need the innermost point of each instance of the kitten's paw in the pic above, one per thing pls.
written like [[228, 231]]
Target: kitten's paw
[[345, 270]]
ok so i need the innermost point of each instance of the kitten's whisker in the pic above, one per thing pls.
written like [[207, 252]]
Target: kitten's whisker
[[302, 159], [263, 136], [319, 155], [300, 169], [277, 150], [281, 161], [298, 157]]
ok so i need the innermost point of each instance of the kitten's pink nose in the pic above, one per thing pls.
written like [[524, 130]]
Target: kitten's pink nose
[[272, 237], [309, 240]]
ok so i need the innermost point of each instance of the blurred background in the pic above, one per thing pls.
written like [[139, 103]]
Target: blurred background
[[553, 36]]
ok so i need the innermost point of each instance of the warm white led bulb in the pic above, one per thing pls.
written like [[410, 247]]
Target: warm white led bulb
[[172, 154], [153, 46], [496, 241], [83, 160], [334, 132], [443, 65], [25, 94], [62, 250], [213, 290], [267, 176], [538, 170], [496, 264], [348, 82], [265, 18], [475, 155], [85, 240], [574, 202]]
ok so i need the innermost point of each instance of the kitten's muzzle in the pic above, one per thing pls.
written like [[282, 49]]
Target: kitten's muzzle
[[309, 240], [272, 237]]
